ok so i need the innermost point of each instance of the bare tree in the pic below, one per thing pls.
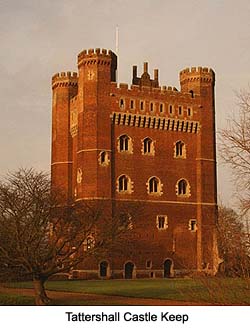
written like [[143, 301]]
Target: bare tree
[[233, 243], [40, 236], [235, 146]]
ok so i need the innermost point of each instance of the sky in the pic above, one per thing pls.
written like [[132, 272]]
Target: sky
[[39, 38]]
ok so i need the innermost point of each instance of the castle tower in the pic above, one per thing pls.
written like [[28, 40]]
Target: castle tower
[[199, 82], [97, 69], [148, 149], [64, 87]]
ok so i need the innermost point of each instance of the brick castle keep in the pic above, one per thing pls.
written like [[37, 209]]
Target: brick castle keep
[[147, 144]]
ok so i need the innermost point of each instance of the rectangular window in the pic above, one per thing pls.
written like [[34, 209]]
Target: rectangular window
[[161, 107], [180, 110], [122, 103], [192, 225], [162, 222], [170, 108], [141, 105], [189, 111], [151, 106], [132, 104]]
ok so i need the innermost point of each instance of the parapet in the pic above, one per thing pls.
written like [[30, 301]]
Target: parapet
[[92, 53], [197, 73], [64, 79]]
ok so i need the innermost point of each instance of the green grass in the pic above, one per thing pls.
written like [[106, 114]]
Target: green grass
[[22, 300], [15, 300], [211, 290]]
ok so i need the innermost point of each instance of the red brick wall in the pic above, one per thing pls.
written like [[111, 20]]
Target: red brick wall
[[97, 100]]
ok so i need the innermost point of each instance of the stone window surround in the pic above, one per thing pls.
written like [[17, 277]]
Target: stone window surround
[[130, 144], [165, 225], [159, 187], [192, 225], [130, 185], [184, 150], [152, 146], [188, 190]]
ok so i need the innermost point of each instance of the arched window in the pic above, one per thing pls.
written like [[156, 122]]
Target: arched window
[[125, 144], [89, 243], [124, 184], [148, 146], [154, 186], [183, 188], [103, 158], [103, 269], [192, 93], [180, 150]]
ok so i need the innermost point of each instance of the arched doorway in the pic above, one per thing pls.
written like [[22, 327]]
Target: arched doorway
[[168, 264], [129, 268], [104, 269]]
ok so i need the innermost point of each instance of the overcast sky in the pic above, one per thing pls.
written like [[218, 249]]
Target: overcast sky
[[39, 38]]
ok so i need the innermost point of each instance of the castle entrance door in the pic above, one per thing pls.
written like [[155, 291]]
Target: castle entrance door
[[103, 269], [167, 268], [129, 267]]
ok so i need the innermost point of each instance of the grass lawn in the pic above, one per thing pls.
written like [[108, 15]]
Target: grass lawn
[[227, 291], [15, 300]]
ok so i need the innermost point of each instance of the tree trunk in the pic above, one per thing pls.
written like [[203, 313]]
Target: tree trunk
[[41, 298]]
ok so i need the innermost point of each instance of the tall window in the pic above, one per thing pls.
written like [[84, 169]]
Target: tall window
[[183, 188], [162, 222], [192, 225], [124, 184], [154, 186], [125, 144], [148, 147], [132, 104], [103, 158], [141, 105], [180, 150], [122, 103], [170, 109], [89, 243], [151, 106]]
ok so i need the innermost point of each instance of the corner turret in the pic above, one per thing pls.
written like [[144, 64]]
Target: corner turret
[[197, 80], [99, 58]]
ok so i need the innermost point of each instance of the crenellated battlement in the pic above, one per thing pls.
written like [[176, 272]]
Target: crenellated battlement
[[92, 54], [64, 79], [197, 73], [122, 87]]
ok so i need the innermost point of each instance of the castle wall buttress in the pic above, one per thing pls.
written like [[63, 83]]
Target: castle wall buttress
[[200, 82], [96, 69], [64, 87]]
